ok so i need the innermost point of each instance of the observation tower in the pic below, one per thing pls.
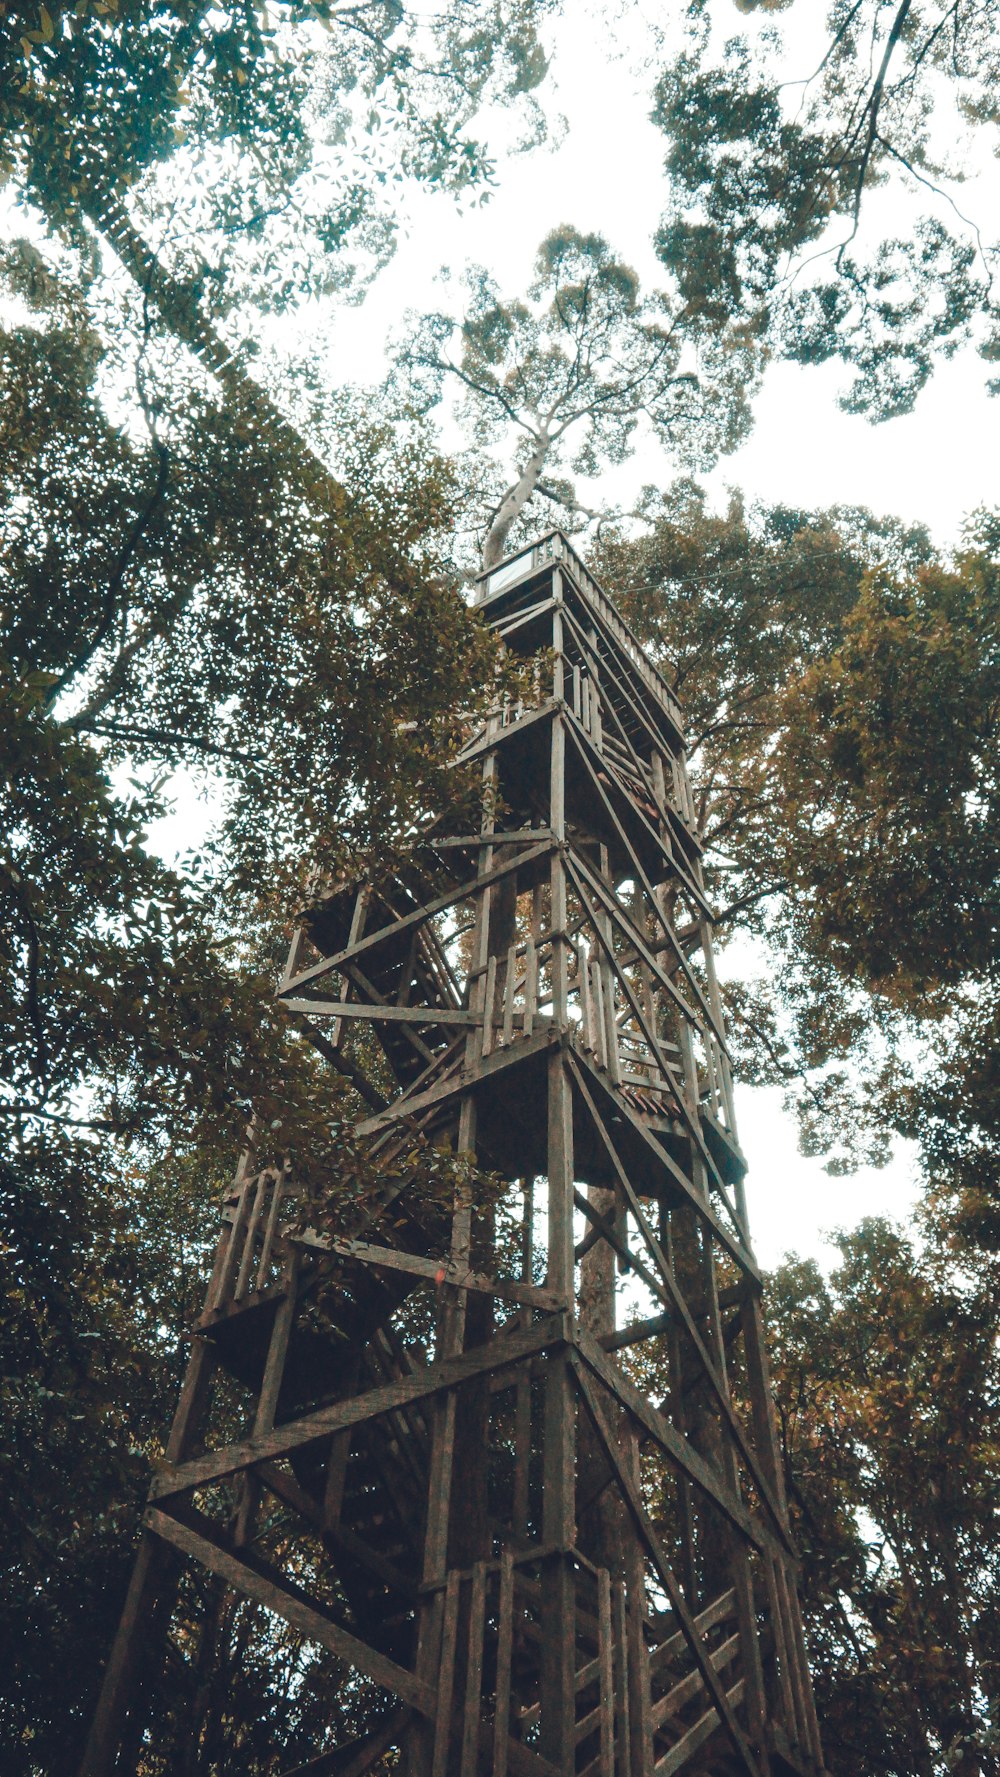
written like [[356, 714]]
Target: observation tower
[[521, 1447]]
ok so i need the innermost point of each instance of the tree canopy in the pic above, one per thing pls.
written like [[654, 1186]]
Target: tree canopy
[[817, 189], [568, 376]]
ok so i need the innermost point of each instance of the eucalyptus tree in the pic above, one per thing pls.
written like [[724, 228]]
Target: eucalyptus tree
[[888, 1396], [817, 182], [567, 376]]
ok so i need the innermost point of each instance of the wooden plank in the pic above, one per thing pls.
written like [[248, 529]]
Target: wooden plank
[[489, 996], [383, 1014], [436, 1271], [624, 1742], [510, 987], [408, 1106], [150, 1581], [654, 1550], [246, 1261], [505, 1640], [474, 885], [302, 1616], [696, 1736], [474, 1672], [646, 1025], [685, 1691], [700, 1204], [669, 1282], [606, 1756], [638, 1330], [446, 1676], [271, 1228], [504, 836], [674, 1444], [717, 1612], [530, 986], [507, 1349]]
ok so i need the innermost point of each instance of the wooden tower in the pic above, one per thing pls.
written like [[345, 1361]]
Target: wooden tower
[[528, 1453]]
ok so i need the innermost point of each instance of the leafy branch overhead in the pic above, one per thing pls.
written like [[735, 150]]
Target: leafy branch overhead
[[575, 374], [825, 201]]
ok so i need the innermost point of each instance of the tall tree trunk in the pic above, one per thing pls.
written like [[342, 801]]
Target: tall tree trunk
[[514, 502]]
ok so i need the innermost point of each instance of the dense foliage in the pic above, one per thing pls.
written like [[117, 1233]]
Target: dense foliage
[[841, 687], [817, 182], [889, 1402], [189, 585]]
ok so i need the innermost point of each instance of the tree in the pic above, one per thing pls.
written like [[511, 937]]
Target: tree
[[178, 597], [887, 1388], [839, 683], [569, 375], [233, 163], [190, 583], [274, 130], [774, 168]]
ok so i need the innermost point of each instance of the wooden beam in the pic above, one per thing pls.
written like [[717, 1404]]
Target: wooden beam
[[303, 1617], [654, 1550], [734, 1247], [509, 1348], [383, 1014], [669, 1283], [675, 1446], [473, 886], [436, 1271]]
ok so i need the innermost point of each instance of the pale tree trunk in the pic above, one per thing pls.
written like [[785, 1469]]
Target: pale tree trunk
[[514, 502]]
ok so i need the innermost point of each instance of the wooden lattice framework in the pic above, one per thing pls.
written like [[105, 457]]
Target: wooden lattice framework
[[532, 1566]]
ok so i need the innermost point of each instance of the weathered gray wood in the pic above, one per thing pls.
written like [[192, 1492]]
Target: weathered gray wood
[[505, 1633], [439, 904], [384, 1014], [510, 1348], [544, 1038], [606, 1756], [436, 1271], [665, 1573], [623, 1741], [446, 1677], [685, 1691], [696, 1736], [716, 1380], [719, 1611], [732, 1244], [474, 1672], [303, 1617], [675, 1446], [613, 1023]]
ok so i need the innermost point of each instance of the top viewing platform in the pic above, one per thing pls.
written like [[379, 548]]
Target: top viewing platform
[[555, 548]]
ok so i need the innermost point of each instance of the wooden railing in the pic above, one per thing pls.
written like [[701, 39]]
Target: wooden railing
[[555, 546]]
